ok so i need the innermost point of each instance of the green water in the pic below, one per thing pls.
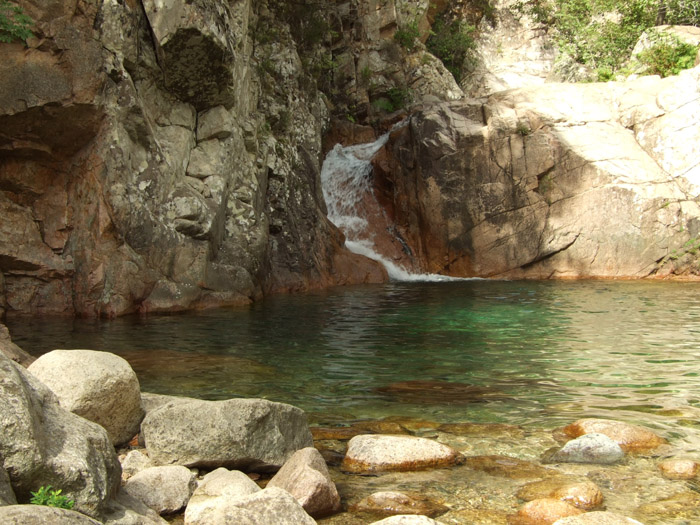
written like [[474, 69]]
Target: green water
[[545, 352]]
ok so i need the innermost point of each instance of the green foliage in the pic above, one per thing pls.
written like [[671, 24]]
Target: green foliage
[[51, 498], [668, 55], [14, 23], [522, 128], [453, 43], [399, 97], [408, 35], [384, 104]]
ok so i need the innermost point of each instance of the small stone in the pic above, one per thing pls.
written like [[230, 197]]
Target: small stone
[[215, 123], [397, 503], [543, 511], [679, 468], [593, 448], [407, 520], [631, 438], [164, 489], [305, 476], [597, 518], [508, 467], [377, 453], [134, 462], [582, 494]]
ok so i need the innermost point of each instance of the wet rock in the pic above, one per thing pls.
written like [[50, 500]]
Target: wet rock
[[597, 518], [590, 448], [679, 468], [98, 386], [218, 489], [582, 494], [397, 503], [164, 489], [407, 520], [439, 392], [482, 429], [631, 438], [338, 433], [272, 505], [134, 462], [43, 444], [681, 507], [413, 424], [226, 433], [543, 511], [380, 427], [41, 515], [508, 467], [377, 453], [305, 476]]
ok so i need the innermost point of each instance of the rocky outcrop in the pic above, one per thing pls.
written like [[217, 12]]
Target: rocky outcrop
[[42, 444], [235, 433], [563, 181], [161, 158], [11, 350], [99, 386]]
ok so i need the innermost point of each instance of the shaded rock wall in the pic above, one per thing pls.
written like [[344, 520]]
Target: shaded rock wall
[[160, 157], [562, 180]]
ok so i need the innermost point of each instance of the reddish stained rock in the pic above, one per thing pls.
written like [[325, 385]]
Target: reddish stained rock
[[582, 494], [631, 438], [543, 511], [368, 454], [679, 468], [338, 433]]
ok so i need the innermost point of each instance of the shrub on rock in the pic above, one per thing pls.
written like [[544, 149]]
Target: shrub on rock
[[98, 386]]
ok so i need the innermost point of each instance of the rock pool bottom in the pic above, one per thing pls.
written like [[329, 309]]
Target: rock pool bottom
[[536, 354]]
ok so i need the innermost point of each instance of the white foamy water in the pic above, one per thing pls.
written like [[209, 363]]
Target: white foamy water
[[346, 180]]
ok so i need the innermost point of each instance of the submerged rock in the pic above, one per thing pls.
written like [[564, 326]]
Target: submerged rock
[[250, 434], [397, 503], [597, 518], [305, 476], [679, 469], [98, 386], [681, 507], [582, 494], [482, 429], [594, 448], [440, 392], [631, 438], [543, 511], [407, 520], [508, 467], [377, 453]]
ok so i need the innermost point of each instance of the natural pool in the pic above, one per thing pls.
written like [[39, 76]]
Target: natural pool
[[537, 354]]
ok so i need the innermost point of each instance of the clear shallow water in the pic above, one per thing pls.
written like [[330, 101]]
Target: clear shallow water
[[541, 353]]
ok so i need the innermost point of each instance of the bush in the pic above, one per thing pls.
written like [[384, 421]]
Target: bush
[[453, 44], [407, 35], [14, 24], [668, 56], [51, 498]]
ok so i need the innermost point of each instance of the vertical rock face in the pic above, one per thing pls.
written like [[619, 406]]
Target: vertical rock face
[[562, 180], [159, 157]]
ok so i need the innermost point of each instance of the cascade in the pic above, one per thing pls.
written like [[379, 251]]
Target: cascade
[[352, 206]]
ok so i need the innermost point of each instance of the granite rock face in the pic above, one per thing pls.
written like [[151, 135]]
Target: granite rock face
[[561, 180]]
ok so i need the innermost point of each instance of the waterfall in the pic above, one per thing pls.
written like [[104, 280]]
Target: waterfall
[[347, 188]]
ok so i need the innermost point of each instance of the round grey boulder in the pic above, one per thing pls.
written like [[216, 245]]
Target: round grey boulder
[[98, 386], [42, 515], [590, 448]]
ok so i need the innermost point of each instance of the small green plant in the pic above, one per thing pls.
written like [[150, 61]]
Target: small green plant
[[365, 75], [522, 128], [453, 43], [407, 35], [668, 56], [384, 104], [14, 23], [51, 498]]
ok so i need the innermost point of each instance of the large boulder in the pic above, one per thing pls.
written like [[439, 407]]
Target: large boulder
[[7, 495], [126, 510], [305, 476], [266, 507], [217, 490], [253, 434], [43, 444], [164, 489], [377, 453], [98, 386], [42, 515]]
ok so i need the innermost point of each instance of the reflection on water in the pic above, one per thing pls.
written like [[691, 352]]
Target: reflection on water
[[546, 352]]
